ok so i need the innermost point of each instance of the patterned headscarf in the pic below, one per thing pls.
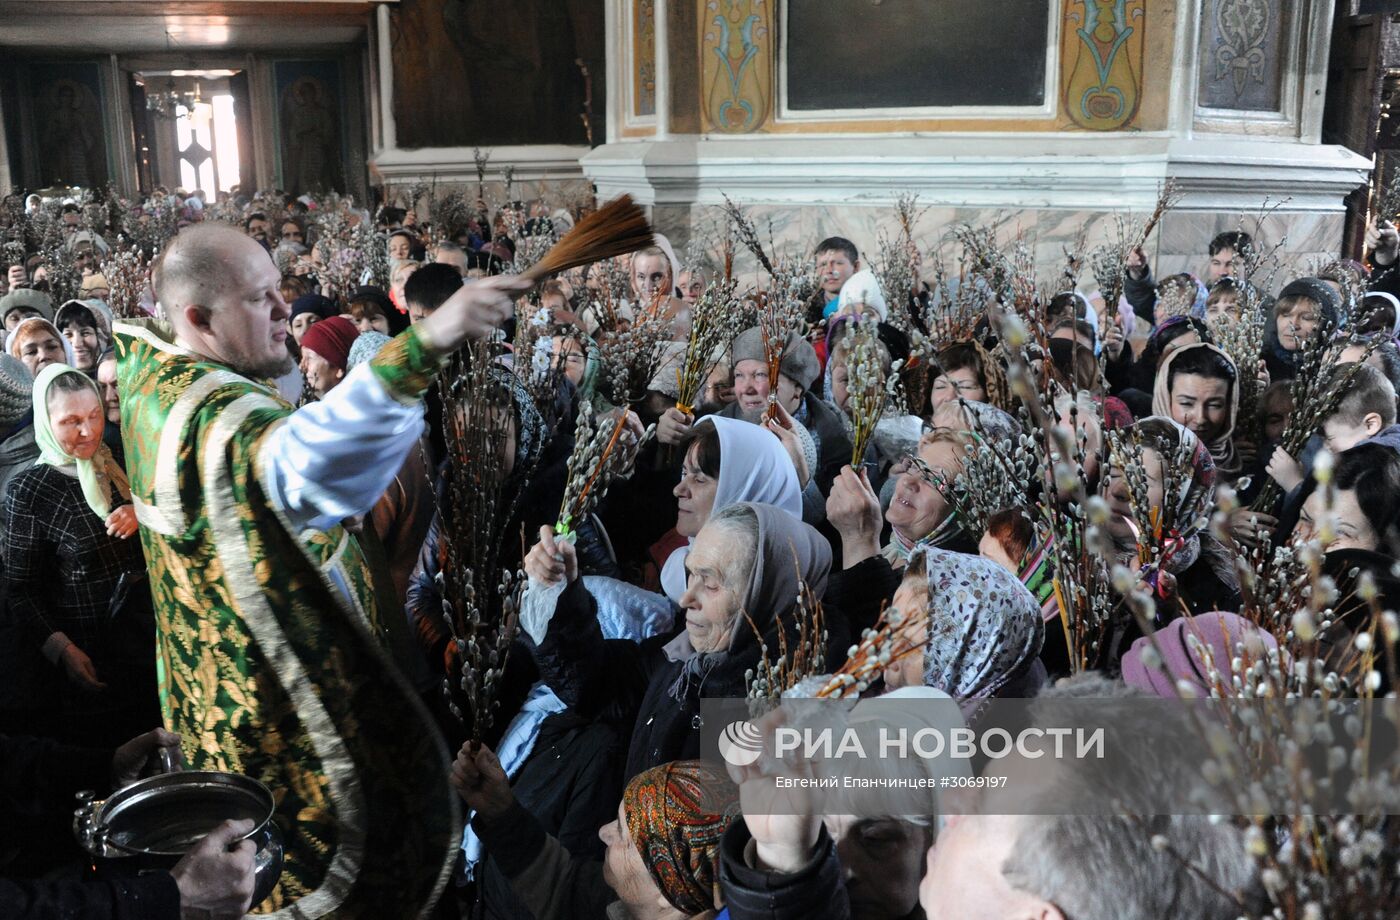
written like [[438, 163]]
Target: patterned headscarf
[[1222, 449], [984, 627], [676, 814]]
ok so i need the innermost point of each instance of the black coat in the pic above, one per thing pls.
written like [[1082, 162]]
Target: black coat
[[607, 677], [815, 892]]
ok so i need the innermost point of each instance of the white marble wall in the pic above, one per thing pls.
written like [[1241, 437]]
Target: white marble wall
[[1178, 245]]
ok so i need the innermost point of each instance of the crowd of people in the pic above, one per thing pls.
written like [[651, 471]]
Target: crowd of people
[[989, 487]]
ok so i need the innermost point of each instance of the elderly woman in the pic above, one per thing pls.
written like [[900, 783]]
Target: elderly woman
[[743, 572], [662, 858], [73, 574]]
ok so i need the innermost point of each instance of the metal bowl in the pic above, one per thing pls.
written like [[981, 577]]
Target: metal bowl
[[154, 822]]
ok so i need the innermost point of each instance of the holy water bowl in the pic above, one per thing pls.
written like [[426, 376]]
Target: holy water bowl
[[152, 823]]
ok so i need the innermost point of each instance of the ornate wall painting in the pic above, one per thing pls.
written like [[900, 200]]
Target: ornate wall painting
[[1242, 54], [737, 64], [643, 58], [71, 134], [1102, 51]]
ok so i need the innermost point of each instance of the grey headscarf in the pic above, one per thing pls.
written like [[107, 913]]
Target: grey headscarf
[[788, 551]]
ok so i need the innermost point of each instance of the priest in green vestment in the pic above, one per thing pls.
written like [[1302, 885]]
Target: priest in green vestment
[[273, 659]]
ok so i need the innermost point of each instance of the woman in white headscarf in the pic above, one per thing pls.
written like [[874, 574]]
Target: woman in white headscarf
[[727, 462]]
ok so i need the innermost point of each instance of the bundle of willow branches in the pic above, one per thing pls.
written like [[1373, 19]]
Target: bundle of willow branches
[[477, 597], [1321, 381], [865, 382], [126, 279], [781, 312], [1157, 528], [631, 353], [747, 235], [714, 322], [880, 646], [602, 452], [799, 657]]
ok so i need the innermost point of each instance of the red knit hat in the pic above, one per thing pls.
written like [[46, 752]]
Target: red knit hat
[[331, 339]]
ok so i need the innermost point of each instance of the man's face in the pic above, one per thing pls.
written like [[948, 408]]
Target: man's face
[[650, 275], [247, 322], [71, 219], [257, 229], [834, 268], [964, 880], [883, 859], [457, 260], [107, 384], [1223, 263]]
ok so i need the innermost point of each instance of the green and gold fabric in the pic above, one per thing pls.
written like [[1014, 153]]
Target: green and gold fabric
[[268, 665]]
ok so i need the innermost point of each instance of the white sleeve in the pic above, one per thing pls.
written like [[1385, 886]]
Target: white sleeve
[[334, 458]]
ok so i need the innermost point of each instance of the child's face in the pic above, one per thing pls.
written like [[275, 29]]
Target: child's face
[[1276, 417]]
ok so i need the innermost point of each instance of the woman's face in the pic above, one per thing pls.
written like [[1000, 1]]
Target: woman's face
[[372, 322], [840, 376], [911, 604], [320, 375], [883, 862], [39, 351], [77, 419], [568, 355], [1223, 309], [623, 868], [695, 495], [1296, 323], [962, 382], [918, 506], [291, 233], [1116, 493], [1350, 528], [1201, 404], [399, 247], [692, 285], [86, 348], [300, 323], [711, 604]]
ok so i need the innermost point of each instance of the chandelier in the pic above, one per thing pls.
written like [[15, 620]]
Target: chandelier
[[166, 104]]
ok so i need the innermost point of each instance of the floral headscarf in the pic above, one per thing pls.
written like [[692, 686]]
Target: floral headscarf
[[985, 628], [676, 814]]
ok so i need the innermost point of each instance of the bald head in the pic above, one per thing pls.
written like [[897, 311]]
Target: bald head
[[222, 293], [200, 263]]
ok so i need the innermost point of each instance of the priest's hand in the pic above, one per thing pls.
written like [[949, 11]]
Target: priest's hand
[[216, 877], [551, 561], [481, 781], [473, 312]]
